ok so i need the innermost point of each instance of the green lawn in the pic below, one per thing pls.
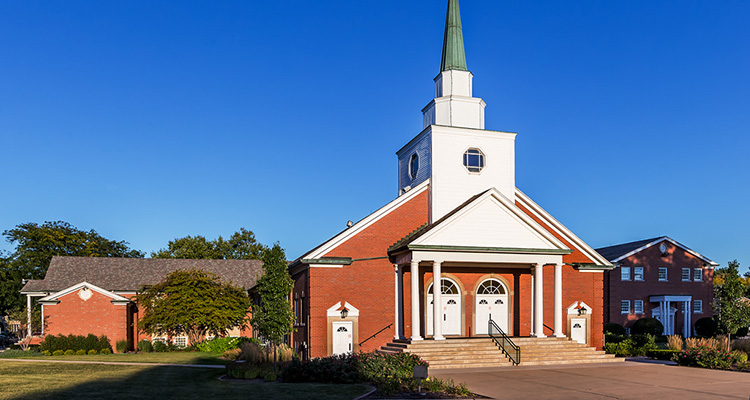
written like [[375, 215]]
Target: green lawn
[[47, 381], [164, 358]]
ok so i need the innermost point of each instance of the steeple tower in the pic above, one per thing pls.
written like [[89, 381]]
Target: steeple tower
[[454, 56], [454, 104]]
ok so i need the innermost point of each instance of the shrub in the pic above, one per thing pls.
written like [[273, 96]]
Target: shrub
[[741, 344], [650, 326], [438, 385], [706, 327], [741, 360], [270, 377], [160, 347], [61, 342], [145, 346], [81, 352], [340, 368], [251, 373], [634, 345], [705, 357], [742, 332], [106, 351], [46, 353], [675, 342], [92, 352], [615, 328], [717, 343], [660, 354], [219, 345], [614, 338], [58, 353], [104, 344], [121, 346], [69, 352]]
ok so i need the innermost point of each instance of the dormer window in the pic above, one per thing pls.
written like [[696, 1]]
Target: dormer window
[[474, 160], [413, 166]]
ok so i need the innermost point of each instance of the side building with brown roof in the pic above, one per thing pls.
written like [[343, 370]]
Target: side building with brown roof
[[83, 295]]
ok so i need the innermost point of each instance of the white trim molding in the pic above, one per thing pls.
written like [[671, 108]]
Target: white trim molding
[[54, 298], [335, 311]]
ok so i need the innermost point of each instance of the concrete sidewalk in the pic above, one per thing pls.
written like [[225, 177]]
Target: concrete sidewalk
[[114, 363], [628, 380]]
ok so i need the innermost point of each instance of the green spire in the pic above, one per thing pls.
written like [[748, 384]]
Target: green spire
[[454, 56]]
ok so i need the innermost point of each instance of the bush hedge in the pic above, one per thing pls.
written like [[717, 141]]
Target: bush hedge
[[121, 346], [706, 357], [615, 328], [633, 345], [650, 326], [145, 346], [58, 353], [53, 343], [706, 327], [663, 354], [220, 345]]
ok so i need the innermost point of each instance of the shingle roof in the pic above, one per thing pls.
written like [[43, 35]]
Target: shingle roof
[[616, 251], [125, 274]]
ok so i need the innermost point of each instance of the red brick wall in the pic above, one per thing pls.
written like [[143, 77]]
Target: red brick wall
[[97, 315], [367, 284], [651, 259]]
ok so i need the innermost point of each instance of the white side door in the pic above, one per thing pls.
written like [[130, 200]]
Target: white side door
[[450, 313], [342, 337], [578, 330]]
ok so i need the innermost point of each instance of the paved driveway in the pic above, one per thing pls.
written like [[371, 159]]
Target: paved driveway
[[628, 380]]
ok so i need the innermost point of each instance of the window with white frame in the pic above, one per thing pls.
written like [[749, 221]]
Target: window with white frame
[[697, 306], [638, 273], [686, 274], [159, 339], [181, 341], [625, 307], [638, 306], [662, 274], [698, 274], [624, 273]]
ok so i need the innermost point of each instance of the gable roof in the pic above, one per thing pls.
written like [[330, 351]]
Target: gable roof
[[341, 237], [526, 230], [130, 274], [619, 252], [53, 298]]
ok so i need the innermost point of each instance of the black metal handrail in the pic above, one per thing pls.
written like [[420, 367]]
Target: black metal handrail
[[510, 349], [376, 334]]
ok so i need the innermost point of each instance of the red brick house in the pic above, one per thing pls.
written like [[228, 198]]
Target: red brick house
[[459, 216], [658, 278], [82, 295]]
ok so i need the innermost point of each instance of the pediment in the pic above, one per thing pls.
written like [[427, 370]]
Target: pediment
[[490, 221]]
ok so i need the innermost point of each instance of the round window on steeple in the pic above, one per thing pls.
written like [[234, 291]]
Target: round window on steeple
[[474, 160], [413, 166]]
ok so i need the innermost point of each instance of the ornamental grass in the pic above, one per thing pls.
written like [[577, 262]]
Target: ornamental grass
[[675, 342]]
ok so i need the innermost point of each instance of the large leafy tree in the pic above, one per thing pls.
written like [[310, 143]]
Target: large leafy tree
[[194, 303], [35, 245], [240, 246], [730, 310], [272, 315]]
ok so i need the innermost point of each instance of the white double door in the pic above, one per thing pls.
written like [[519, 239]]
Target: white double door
[[491, 306], [451, 314]]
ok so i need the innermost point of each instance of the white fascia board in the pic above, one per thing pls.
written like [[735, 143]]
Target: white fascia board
[[114, 296], [367, 221], [560, 229], [674, 242], [539, 230], [456, 130], [334, 311]]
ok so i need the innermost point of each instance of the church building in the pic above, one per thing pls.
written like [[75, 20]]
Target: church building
[[458, 220]]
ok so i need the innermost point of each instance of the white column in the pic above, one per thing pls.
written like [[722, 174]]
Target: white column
[[558, 301], [532, 302], [397, 301], [685, 326], [28, 315], [437, 302], [415, 317], [42, 320], [539, 301], [690, 318]]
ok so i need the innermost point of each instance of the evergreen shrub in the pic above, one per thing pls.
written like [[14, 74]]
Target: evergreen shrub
[[121, 346], [58, 353], [706, 327], [615, 328], [650, 326], [70, 352], [81, 352], [145, 346], [92, 352]]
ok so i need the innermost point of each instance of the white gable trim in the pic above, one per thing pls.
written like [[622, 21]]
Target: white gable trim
[[335, 311], [366, 222], [508, 205], [670, 240], [55, 296], [560, 229]]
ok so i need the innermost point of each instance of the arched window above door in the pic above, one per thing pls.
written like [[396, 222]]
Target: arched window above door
[[491, 286], [447, 286]]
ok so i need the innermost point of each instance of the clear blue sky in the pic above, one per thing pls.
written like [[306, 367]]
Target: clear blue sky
[[150, 120]]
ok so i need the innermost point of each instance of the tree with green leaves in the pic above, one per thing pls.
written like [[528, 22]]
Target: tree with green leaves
[[240, 246], [731, 311], [35, 245], [273, 316], [194, 303]]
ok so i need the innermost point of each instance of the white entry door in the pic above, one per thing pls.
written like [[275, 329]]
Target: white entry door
[[578, 330], [491, 302], [667, 321], [342, 337], [451, 309]]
